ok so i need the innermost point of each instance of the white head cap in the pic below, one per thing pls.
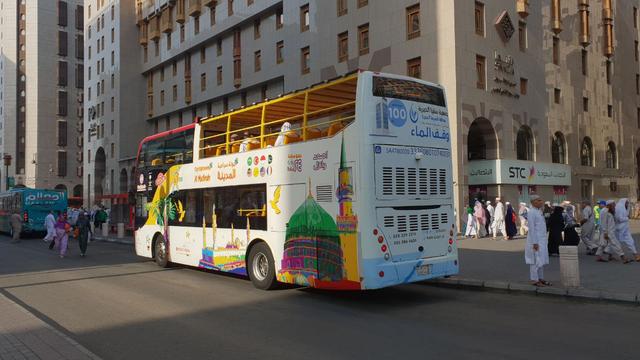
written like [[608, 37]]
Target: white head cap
[[507, 203], [523, 204], [488, 202], [497, 199]]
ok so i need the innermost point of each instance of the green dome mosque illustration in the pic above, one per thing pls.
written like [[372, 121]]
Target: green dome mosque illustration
[[312, 247]]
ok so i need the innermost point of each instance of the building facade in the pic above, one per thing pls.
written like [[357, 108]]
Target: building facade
[[517, 79], [41, 92], [114, 103]]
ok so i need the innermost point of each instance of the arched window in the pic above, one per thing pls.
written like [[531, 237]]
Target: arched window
[[524, 144], [124, 181], [612, 156], [558, 149], [586, 152], [482, 143]]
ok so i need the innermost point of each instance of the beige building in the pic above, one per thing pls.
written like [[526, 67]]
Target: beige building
[[41, 92], [114, 102], [512, 72]]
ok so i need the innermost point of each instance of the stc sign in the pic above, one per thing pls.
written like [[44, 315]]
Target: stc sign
[[517, 172]]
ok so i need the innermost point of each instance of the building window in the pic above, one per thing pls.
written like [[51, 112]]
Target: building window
[[196, 25], [62, 43], [556, 50], [362, 3], [635, 17], [635, 50], [413, 21], [279, 18], [62, 133], [342, 8], [586, 189], [79, 17], [638, 84], [230, 7], [585, 104], [638, 117], [525, 144], [62, 103], [414, 67], [585, 62], [279, 52], [481, 72], [363, 39], [523, 86], [203, 82], [62, 163], [479, 18], [612, 156], [610, 111], [62, 13], [522, 35], [181, 33], [174, 68], [343, 46], [219, 47], [212, 15], [608, 71], [257, 61], [219, 75], [79, 76], [203, 55], [175, 93], [558, 149], [161, 97], [305, 58], [304, 18], [556, 95], [586, 152], [256, 29], [62, 73]]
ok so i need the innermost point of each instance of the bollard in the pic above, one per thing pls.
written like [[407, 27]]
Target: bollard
[[120, 230], [569, 266], [105, 230]]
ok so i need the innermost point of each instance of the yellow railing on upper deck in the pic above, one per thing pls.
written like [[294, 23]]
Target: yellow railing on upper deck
[[312, 113]]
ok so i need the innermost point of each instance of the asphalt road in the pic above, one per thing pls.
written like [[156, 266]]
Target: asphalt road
[[121, 307]]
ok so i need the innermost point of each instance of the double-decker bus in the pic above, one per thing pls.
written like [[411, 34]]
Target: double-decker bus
[[343, 185], [156, 154], [33, 205]]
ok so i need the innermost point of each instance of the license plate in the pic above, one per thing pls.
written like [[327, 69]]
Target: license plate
[[424, 269]]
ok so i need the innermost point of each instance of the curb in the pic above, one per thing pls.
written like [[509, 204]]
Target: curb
[[112, 240], [501, 286]]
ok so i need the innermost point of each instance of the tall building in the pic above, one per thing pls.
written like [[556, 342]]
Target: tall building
[[527, 84], [114, 102], [41, 93]]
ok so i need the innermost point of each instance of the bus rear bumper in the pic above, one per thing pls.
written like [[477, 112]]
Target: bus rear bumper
[[385, 274]]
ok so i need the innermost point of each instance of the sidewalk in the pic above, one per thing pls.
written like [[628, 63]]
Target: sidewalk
[[24, 336], [126, 240], [495, 264]]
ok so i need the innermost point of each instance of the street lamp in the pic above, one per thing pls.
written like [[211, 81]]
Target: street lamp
[[7, 163]]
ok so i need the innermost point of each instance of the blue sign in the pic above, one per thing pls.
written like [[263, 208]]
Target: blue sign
[[397, 113]]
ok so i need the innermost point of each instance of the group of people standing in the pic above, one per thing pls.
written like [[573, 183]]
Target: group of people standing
[[58, 231], [553, 225], [484, 219]]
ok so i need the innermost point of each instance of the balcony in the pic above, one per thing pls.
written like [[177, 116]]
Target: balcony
[[144, 34], [166, 20], [180, 17], [209, 3], [154, 28], [195, 8]]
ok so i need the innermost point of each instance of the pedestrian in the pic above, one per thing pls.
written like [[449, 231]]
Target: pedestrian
[[571, 237], [609, 243], [498, 222], [588, 226], [556, 226], [487, 220], [16, 227], [596, 212], [522, 216], [510, 219], [622, 227], [491, 219], [471, 223], [49, 225], [536, 253], [478, 213], [62, 235], [83, 225]]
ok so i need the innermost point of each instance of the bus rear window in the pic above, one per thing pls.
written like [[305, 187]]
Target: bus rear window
[[407, 90]]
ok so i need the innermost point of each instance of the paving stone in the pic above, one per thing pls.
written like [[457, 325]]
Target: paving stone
[[522, 287], [499, 285], [585, 293], [550, 290]]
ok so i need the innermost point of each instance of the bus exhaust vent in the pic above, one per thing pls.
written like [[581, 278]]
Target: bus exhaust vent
[[416, 222], [324, 193], [411, 181]]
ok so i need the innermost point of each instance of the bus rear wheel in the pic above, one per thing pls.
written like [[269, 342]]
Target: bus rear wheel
[[261, 267], [160, 251]]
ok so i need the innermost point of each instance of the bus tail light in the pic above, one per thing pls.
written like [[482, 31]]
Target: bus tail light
[[450, 241], [25, 217], [383, 248], [380, 239], [375, 232], [381, 273]]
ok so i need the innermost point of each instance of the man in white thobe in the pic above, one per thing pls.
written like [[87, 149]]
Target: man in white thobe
[[588, 228], [609, 243], [491, 211], [536, 253], [622, 227], [498, 223], [49, 224]]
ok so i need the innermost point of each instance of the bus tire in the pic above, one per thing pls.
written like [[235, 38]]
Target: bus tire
[[160, 252], [261, 267]]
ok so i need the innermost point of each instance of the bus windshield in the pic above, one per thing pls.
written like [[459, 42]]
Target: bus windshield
[[167, 150]]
